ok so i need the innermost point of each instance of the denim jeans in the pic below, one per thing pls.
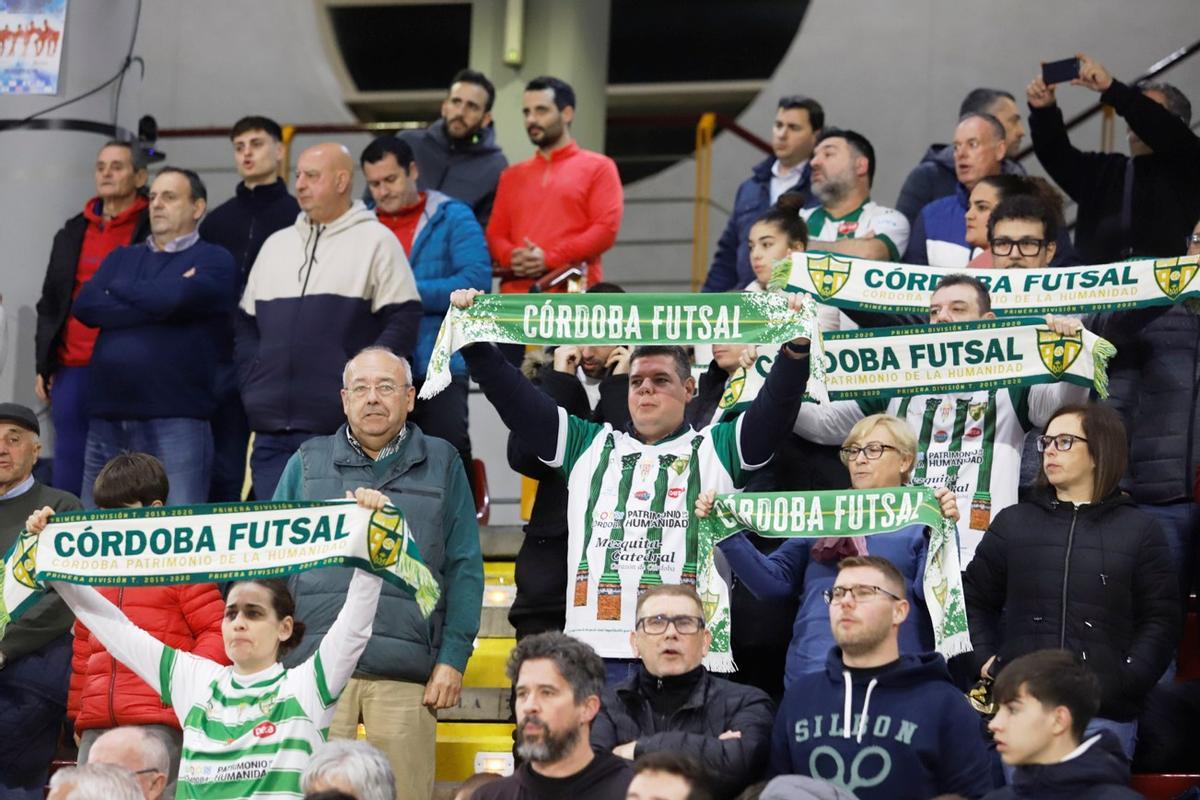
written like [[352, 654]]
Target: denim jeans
[[269, 456], [183, 445], [231, 439], [68, 410]]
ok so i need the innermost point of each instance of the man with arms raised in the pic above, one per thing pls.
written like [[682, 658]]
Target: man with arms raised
[[877, 724], [631, 492], [969, 442], [672, 703], [557, 682]]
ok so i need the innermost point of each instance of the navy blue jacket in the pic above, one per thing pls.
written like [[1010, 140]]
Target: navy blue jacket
[[731, 270], [243, 222], [1101, 772], [164, 323], [911, 734]]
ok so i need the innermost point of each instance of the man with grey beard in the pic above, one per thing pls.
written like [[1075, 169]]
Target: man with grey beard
[[847, 221], [558, 681]]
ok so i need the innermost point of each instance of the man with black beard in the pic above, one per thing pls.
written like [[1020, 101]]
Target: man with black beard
[[458, 155], [558, 681]]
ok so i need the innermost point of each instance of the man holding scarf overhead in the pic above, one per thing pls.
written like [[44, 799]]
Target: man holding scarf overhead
[[631, 493]]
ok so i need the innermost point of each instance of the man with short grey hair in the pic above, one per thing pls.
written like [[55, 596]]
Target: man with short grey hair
[[141, 751], [412, 666], [94, 782], [355, 768]]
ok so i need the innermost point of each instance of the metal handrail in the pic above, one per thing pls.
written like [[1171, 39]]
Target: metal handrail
[[1159, 67]]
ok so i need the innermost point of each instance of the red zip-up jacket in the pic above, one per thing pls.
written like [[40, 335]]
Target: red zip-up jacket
[[105, 693], [569, 204]]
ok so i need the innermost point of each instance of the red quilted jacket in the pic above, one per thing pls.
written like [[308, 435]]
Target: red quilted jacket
[[105, 693]]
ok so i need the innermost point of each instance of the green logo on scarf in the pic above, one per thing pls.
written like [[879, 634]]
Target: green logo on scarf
[[1058, 351], [385, 538], [1173, 275], [828, 275]]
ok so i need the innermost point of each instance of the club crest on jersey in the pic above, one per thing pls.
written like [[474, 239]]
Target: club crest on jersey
[[680, 464], [733, 388], [1058, 351], [828, 275], [976, 410], [1174, 274], [264, 729]]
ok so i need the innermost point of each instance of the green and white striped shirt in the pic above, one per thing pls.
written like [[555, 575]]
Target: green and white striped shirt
[[243, 735]]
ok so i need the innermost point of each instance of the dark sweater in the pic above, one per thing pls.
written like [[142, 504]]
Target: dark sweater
[[243, 222], [49, 618], [164, 326], [1101, 772], [1166, 183], [606, 777]]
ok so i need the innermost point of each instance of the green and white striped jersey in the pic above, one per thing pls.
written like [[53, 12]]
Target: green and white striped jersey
[[243, 735], [969, 442], [630, 517]]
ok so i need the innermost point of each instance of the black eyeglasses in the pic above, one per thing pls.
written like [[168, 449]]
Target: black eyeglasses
[[872, 450], [1026, 247], [1063, 442], [861, 593], [685, 625]]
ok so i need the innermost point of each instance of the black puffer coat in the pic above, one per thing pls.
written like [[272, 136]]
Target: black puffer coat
[[1096, 579]]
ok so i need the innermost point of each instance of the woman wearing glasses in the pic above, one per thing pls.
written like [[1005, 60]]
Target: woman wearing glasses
[[1078, 567], [879, 452]]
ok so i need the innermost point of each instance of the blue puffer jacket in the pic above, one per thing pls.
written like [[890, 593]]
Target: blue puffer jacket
[[448, 253]]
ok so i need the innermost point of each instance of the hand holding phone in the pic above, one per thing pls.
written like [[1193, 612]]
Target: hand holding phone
[[1060, 71]]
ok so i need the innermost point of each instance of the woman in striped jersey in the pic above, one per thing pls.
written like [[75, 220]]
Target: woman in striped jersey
[[249, 729]]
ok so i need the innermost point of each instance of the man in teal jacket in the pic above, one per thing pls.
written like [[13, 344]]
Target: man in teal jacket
[[412, 666]]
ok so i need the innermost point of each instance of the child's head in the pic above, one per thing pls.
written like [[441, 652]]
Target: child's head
[[777, 233], [131, 480]]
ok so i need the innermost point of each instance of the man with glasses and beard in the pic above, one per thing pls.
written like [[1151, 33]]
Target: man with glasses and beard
[[558, 681], [875, 723]]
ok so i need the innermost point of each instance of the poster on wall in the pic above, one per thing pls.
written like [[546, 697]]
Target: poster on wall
[[31, 34]]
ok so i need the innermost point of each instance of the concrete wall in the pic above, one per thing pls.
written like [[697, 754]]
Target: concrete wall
[[896, 72]]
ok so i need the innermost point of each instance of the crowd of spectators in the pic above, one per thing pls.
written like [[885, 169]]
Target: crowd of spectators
[[169, 334]]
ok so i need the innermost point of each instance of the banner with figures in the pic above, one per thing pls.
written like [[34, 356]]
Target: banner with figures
[[212, 543], [31, 33], [627, 319], [857, 283], [958, 357], [851, 512]]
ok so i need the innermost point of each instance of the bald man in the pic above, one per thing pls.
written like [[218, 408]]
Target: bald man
[[331, 284], [151, 754]]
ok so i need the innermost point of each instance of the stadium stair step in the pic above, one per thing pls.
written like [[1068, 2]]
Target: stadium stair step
[[500, 542], [464, 748]]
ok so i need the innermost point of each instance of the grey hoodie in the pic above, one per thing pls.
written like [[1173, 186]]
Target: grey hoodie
[[465, 170]]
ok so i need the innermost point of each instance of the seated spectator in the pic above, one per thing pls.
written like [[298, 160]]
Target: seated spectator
[[875, 723], [939, 235], [94, 782], [349, 766], [1076, 566], [935, 176], [590, 382], [672, 703], [1114, 221], [558, 681], [1045, 700], [880, 451], [446, 251], [775, 235], [105, 693], [847, 221], [668, 775], [990, 191], [141, 751], [798, 121], [333, 283], [163, 309], [35, 653]]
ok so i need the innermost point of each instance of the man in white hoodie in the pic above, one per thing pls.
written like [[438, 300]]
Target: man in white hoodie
[[331, 284]]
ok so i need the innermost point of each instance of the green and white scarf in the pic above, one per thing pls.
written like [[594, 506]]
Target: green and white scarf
[[851, 512], [212, 543], [858, 283], [958, 357], [628, 319]]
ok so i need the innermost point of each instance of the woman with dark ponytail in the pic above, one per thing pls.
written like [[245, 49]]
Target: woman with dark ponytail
[[250, 728]]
